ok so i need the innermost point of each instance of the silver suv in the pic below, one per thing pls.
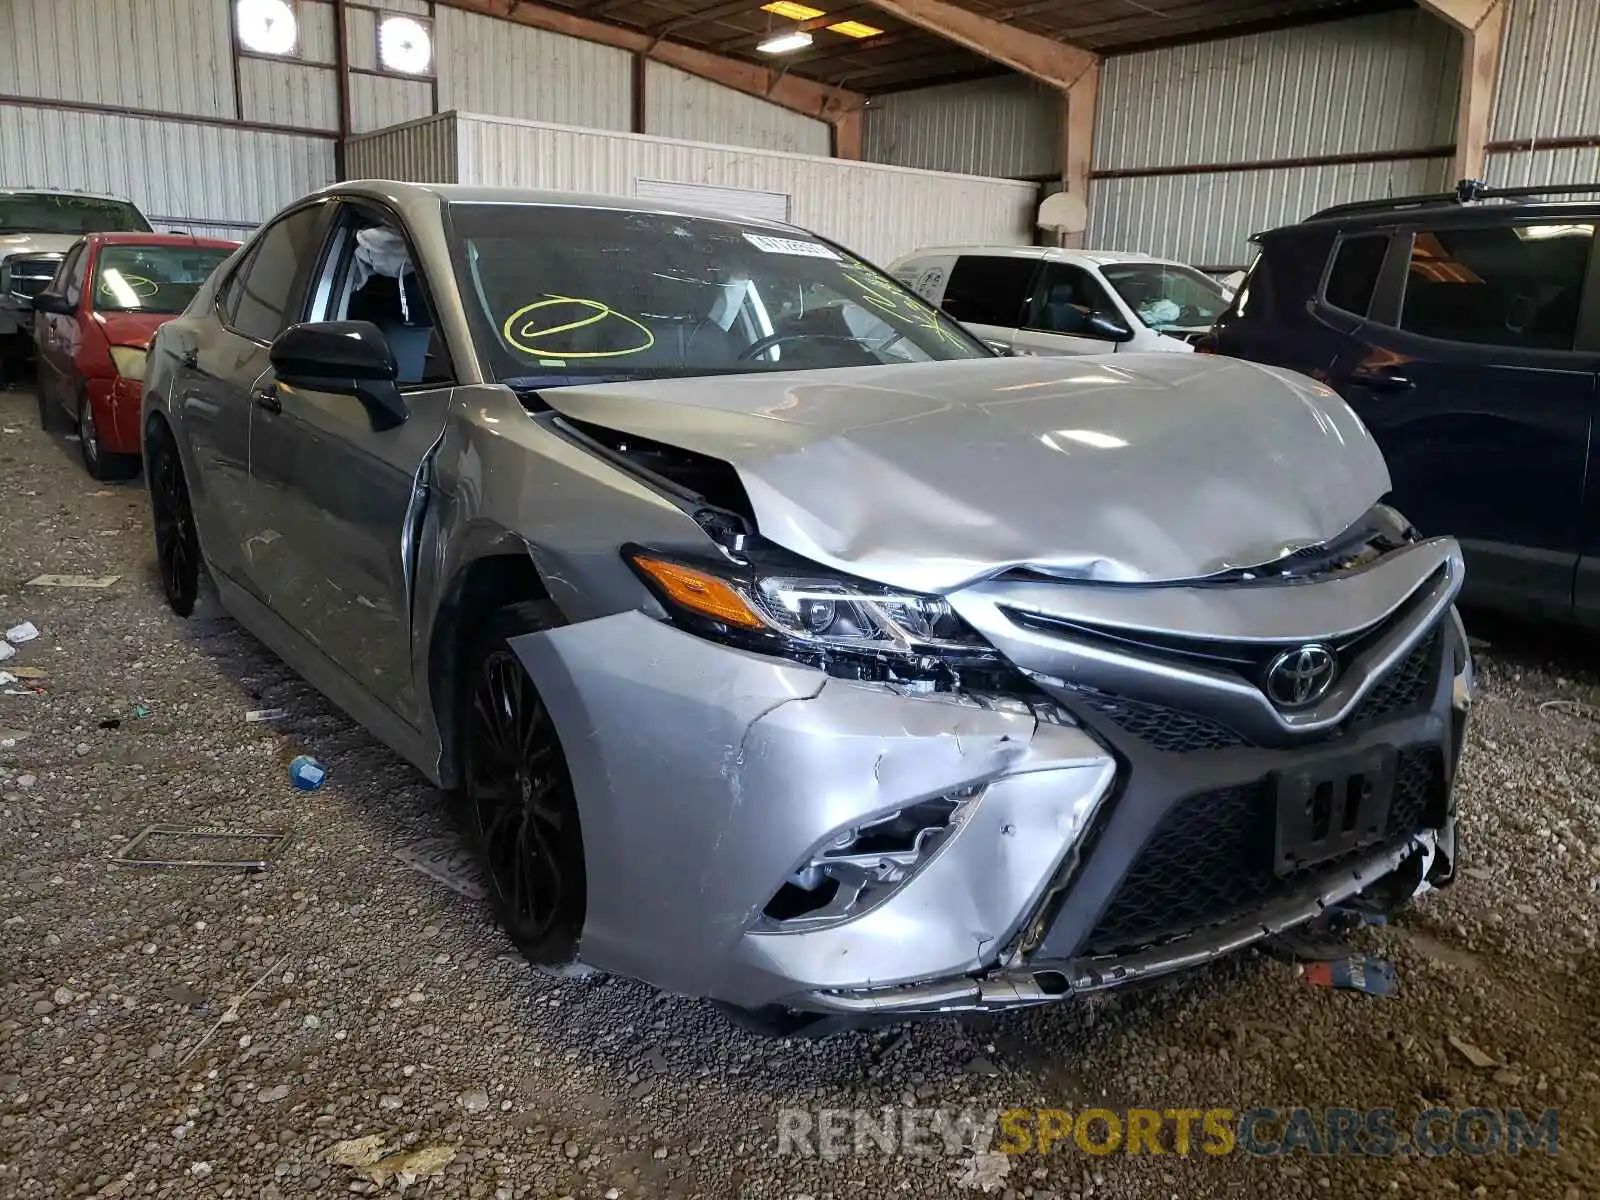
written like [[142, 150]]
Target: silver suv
[[782, 645]]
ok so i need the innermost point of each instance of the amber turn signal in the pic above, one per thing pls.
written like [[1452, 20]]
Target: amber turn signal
[[700, 592]]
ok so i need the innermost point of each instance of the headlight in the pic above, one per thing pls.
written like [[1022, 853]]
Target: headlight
[[851, 627], [129, 361]]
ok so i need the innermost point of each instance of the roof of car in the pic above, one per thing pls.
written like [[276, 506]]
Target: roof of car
[[1470, 203], [459, 193], [41, 191], [161, 239], [1097, 258]]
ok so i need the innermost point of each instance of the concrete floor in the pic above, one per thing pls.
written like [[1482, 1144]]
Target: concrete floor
[[137, 1059]]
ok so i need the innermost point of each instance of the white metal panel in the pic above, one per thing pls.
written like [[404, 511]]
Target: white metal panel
[[1539, 167], [181, 169], [1383, 82], [1207, 219], [378, 101], [231, 230], [317, 34], [492, 66], [680, 105], [296, 94], [420, 152], [361, 38], [1550, 71], [417, 8], [880, 212], [1002, 126], [736, 202], [161, 55]]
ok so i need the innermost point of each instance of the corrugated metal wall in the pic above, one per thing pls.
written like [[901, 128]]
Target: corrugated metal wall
[[1374, 85], [880, 212], [499, 67], [680, 105], [1007, 126], [1550, 71], [301, 93], [420, 152], [238, 177]]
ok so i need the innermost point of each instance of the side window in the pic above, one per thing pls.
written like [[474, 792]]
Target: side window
[[1354, 275], [67, 272], [372, 275], [1507, 285], [228, 293], [989, 291], [265, 292], [1065, 299], [79, 272]]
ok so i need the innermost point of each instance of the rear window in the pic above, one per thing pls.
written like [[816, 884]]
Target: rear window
[[1504, 285], [986, 290], [1354, 276]]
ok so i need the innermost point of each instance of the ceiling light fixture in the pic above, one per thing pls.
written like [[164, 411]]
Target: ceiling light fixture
[[855, 29], [792, 11], [785, 43], [266, 26]]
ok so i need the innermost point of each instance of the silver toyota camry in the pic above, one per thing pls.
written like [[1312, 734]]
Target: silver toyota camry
[[779, 643]]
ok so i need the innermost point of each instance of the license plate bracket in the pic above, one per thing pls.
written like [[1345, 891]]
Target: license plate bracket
[[1331, 806]]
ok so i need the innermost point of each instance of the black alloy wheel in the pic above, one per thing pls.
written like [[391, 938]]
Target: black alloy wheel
[[518, 797], [177, 544]]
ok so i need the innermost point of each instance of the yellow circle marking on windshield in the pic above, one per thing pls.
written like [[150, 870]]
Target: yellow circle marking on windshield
[[141, 287], [524, 337]]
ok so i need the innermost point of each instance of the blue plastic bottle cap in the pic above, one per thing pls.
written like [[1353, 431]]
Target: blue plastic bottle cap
[[306, 773]]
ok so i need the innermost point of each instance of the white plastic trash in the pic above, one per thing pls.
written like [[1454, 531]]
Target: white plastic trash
[[25, 632], [6, 650]]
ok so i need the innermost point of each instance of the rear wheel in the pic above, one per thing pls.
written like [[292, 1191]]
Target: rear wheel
[[177, 544], [101, 463], [517, 794]]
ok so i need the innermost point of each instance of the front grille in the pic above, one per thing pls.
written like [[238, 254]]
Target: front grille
[[1210, 859], [1167, 729], [1404, 687], [30, 276]]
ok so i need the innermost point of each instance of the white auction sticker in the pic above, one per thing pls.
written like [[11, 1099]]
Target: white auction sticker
[[777, 245]]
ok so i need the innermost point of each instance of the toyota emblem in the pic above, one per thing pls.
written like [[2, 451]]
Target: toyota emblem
[[1301, 675]]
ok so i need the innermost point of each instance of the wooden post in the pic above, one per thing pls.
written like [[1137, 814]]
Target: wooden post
[[1077, 144], [847, 135], [1482, 24]]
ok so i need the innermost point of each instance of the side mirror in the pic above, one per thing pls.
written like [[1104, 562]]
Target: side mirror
[[53, 302], [1000, 348], [1111, 328], [350, 358]]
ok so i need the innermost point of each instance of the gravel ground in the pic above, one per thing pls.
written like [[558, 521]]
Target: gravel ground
[[137, 1059]]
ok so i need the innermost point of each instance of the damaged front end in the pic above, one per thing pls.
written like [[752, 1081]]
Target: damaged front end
[[801, 788]]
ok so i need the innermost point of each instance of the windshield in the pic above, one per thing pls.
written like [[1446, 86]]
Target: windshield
[[44, 212], [1165, 296], [559, 294], [153, 279]]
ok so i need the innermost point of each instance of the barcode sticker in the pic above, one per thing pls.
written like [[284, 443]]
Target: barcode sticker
[[777, 245]]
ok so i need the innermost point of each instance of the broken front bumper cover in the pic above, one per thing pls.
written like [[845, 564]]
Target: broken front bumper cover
[[1044, 982]]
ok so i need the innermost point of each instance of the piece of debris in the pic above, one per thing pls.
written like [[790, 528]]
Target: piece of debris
[[231, 1013], [6, 650], [306, 773], [182, 993], [164, 845], [141, 711], [265, 714], [1472, 1054], [25, 632], [10, 737], [1359, 973], [356, 1152], [111, 723], [29, 674], [1306, 946], [1572, 708], [447, 861], [73, 581], [7, 677], [370, 1157]]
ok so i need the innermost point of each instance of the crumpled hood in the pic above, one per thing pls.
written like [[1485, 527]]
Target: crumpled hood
[[929, 476], [132, 328]]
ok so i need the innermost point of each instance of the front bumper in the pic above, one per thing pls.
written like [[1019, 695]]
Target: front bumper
[[706, 777]]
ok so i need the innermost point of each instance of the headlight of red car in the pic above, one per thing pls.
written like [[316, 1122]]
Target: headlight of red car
[[129, 361]]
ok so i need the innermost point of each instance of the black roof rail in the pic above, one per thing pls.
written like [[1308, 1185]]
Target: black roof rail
[[1467, 192]]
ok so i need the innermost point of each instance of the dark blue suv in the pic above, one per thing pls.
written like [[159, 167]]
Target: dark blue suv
[[1465, 330]]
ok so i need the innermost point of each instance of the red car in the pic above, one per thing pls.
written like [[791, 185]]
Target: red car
[[90, 338]]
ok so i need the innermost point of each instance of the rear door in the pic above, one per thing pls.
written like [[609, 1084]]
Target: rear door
[[1063, 299], [216, 390], [988, 293], [1475, 369]]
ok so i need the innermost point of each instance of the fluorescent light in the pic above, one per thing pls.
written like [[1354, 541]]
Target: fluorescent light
[[791, 10], [1091, 437], [786, 43], [855, 29]]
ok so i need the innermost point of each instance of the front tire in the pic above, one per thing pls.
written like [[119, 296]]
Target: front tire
[[177, 543], [517, 795], [101, 463]]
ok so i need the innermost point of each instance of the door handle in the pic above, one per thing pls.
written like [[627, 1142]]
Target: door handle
[[267, 398], [191, 358], [1382, 380]]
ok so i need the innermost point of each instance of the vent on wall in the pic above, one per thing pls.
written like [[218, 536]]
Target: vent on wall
[[733, 202]]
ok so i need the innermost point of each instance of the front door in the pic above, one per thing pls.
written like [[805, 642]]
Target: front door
[[1473, 376], [339, 496], [1057, 321], [56, 335]]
